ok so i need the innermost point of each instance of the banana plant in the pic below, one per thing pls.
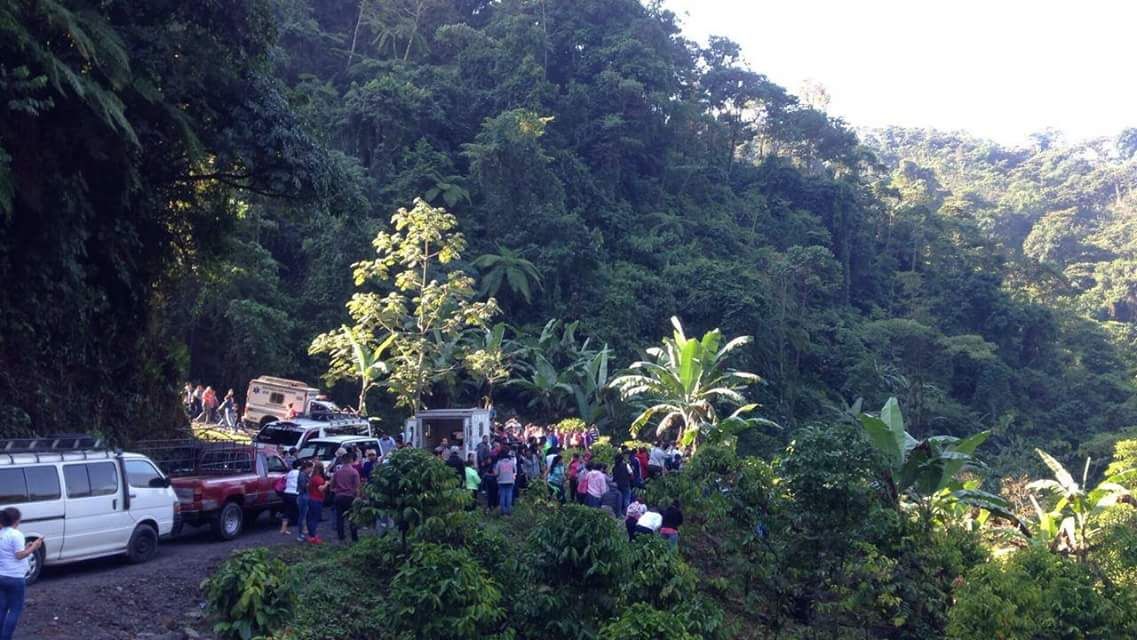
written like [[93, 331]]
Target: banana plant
[[923, 472], [684, 381], [590, 387], [547, 388], [1070, 522]]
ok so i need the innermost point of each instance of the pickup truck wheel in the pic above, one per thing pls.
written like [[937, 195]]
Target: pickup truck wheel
[[143, 544], [35, 565], [229, 522]]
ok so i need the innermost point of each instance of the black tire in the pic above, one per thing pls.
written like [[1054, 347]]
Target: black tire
[[35, 565], [143, 545], [229, 522]]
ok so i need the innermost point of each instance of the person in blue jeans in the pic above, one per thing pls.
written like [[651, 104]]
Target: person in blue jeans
[[14, 552], [506, 473], [302, 500]]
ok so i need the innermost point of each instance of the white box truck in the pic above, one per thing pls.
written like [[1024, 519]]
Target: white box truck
[[463, 428]]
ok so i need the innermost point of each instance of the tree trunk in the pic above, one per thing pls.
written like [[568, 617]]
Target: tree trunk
[[355, 34]]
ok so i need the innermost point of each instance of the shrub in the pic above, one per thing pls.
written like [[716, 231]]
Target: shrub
[[642, 622], [466, 530], [443, 593], [578, 546], [1035, 595], [251, 595], [659, 577], [572, 425], [325, 574], [411, 488], [604, 453]]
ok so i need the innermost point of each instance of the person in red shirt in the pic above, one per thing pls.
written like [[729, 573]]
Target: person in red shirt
[[317, 486], [574, 474]]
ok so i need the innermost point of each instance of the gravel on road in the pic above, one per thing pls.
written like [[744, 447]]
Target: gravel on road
[[109, 599]]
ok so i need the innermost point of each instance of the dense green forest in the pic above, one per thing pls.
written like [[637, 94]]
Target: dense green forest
[[185, 187], [194, 191]]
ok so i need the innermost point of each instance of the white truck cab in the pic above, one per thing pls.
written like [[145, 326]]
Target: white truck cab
[[85, 501], [463, 428]]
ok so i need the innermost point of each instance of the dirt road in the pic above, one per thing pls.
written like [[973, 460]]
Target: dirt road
[[108, 599]]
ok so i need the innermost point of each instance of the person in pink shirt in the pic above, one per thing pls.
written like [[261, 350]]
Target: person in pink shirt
[[597, 483]]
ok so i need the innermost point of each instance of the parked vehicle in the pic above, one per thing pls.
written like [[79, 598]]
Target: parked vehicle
[[463, 428], [286, 434], [84, 500], [269, 399], [220, 484], [324, 449]]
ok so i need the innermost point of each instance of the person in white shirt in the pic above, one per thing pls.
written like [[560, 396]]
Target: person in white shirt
[[656, 461], [14, 552], [386, 445], [290, 512]]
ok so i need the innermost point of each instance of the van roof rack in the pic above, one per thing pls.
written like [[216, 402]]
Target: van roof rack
[[45, 448], [51, 444]]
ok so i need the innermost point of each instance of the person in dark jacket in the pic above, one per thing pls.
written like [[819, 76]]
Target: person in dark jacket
[[672, 519], [622, 477], [455, 463]]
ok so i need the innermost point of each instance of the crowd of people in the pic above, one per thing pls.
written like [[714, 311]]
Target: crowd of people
[[501, 468], [202, 405]]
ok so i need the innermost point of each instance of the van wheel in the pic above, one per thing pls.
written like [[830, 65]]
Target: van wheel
[[229, 522], [35, 565], [143, 544]]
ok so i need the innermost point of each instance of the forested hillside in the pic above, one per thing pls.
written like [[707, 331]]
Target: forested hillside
[[185, 187]]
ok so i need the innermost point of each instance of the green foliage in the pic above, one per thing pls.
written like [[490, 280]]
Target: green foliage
[[603, 452], [684, 380], [251, 595], [509, 268], [442, 592], [578, 547], [1035, 595], [419, 319], [412, 488], [642, 622], [1069, 524]]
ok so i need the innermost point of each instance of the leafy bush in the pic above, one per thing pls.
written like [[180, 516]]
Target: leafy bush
[[465, 530], [443, 593], [642, 622], [1036, 595], [578, 546], [411, 488], [572, 425], [604, 453], [1115, 547], [251, 595], [658, 577], [324, 574]]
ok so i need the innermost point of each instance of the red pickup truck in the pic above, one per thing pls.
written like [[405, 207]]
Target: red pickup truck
[[220, 484]]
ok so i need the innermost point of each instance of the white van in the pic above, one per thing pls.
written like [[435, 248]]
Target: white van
[[85, 501]]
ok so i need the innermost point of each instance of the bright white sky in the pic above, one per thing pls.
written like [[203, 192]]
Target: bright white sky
[[997, 68]]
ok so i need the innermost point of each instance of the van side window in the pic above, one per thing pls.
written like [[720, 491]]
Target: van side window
[[13, 488], [276, 398], [276, 465], [43, 483], [104, 478], [139, 473], [75, 475]]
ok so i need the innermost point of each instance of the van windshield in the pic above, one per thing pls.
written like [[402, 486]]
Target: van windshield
[[321, 450], [279, 435]]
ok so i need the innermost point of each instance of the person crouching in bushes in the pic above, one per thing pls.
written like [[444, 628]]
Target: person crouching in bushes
[[669, 526], [635, 511]]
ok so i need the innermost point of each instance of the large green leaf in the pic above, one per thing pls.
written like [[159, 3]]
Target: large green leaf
[[882, 439], [1060, 474]]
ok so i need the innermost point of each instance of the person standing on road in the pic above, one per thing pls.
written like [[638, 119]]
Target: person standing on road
[[228, 411], [289, 496], [317, 485], [302, 503], [14, 552], [345, 487]]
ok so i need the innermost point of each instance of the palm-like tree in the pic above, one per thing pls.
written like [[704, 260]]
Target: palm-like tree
[[1071, 520], [508, 268], [684, 380], [546, 387]]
